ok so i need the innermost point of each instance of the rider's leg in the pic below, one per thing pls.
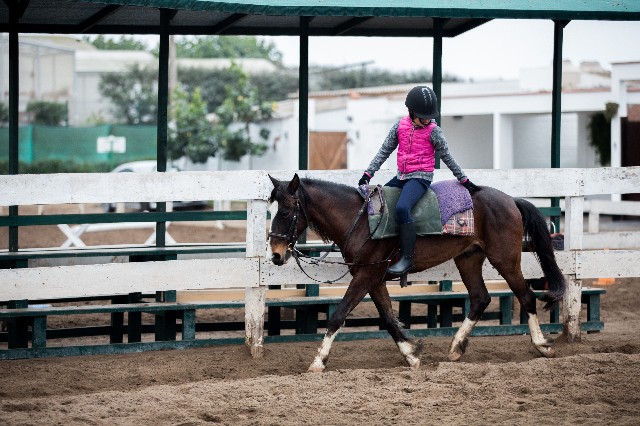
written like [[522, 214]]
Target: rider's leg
[[411, 193]]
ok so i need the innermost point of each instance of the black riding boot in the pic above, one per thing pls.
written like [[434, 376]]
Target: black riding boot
[[407, 244]]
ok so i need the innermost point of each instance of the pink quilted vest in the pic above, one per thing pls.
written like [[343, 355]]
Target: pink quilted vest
[[415, 150]]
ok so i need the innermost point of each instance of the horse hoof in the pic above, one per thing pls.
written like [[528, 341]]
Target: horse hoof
[[458, 349], [454, 356], [316, 367], [547, 351], [414, 363]]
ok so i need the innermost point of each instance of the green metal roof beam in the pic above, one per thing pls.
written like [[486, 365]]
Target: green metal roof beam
[[97, 18], [226, 23], [349, 25], [461, 29], [486, 9]]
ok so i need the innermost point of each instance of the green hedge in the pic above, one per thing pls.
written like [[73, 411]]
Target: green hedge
[[57, 166]]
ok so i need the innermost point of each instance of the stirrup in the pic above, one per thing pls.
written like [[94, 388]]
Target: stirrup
[[403, 280], [406, 267]]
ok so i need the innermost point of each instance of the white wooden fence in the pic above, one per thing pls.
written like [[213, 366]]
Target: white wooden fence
[[255, 272]]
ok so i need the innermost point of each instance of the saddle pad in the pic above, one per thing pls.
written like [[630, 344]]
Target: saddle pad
[[426, 215], [460, 224], [453, 198]]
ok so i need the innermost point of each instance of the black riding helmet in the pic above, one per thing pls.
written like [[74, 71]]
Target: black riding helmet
[[422, 101]]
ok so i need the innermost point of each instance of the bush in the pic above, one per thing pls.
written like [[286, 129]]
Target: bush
[[49, 113], [56, 166]]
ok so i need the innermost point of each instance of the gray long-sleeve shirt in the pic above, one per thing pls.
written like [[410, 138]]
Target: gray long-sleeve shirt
[[439, 144]]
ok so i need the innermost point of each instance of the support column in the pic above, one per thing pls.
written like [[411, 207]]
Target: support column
[[163, 108], [619, 89], [303, 105], [438, 23], [14, 96], [572, 302], [497, 134], [254, 297], [556, 104], [502, 141]]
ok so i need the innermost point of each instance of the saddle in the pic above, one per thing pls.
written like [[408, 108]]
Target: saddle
[[446, 208]]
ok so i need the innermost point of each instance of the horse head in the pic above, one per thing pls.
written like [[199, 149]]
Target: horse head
[[290, 220]]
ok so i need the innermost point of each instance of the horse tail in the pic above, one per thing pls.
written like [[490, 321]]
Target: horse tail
[[538, 239]]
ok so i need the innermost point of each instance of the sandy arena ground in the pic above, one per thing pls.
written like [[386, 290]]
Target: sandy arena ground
[[500, 380]]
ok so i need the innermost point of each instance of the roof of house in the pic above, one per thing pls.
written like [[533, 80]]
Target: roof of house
[[282, 17]]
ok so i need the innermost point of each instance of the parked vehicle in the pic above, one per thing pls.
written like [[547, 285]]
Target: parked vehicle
[[150, 167]]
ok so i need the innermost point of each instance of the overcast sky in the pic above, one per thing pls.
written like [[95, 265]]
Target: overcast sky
[[497, 49]]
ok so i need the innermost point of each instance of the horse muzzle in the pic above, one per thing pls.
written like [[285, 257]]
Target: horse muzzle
[[280, 259], [280, 254]]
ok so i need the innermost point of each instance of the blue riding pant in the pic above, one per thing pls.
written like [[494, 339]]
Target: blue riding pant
[[412, 191]]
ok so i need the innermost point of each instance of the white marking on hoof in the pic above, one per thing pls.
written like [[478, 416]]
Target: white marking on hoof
[[454, 355], [460, 340], [542, 344], [317, 366], [407, 349], [547, 351]]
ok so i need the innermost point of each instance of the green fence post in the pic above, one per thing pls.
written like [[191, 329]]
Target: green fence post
[[134, 320], [18, 328]]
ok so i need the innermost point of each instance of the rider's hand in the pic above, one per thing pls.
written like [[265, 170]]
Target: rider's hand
[[470, 186], [364, 180]]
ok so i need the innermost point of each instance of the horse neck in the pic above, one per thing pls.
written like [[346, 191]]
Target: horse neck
[[331, 212]]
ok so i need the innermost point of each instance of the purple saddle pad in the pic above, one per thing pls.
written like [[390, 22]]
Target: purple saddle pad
[[452, 197]]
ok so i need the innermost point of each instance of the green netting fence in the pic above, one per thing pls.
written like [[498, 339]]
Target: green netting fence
[[79, 144]]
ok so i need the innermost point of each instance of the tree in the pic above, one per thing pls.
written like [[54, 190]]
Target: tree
[[226, 47], [49, 113], [344, 78], [133, 94], [193, 136], [122, 43], [212, 83], [4, 114], [190, 134], [241, 108]]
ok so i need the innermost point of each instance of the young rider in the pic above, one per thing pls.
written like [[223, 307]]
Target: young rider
[[418, 139]]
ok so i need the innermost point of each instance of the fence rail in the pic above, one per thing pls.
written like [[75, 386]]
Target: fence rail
[[255, 273]]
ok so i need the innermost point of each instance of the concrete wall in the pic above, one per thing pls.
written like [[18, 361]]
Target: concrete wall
[[470, 140], [532, 141]]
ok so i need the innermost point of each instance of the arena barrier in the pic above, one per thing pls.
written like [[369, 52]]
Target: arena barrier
[[158, 270]]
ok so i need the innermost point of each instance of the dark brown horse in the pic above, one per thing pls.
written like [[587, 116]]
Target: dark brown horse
[[500, 222]]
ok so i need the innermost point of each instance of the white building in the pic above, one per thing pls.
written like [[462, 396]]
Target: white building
[[501, 125], [66, 69]]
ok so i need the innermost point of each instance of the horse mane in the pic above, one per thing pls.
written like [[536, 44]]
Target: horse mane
[[326, 186]]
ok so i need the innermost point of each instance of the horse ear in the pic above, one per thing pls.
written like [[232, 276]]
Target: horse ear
[[294, 184], [274, 181]]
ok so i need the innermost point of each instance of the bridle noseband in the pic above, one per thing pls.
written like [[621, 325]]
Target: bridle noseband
[[291, 237]]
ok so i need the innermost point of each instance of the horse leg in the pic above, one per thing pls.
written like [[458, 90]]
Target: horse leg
[[410, 350], [470, 267], [511, 272], [358, 288]]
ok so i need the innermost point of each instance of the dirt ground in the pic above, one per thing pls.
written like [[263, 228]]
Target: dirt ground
[[500, 380]]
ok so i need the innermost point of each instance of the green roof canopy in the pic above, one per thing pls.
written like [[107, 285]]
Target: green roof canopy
[[282, 17]]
